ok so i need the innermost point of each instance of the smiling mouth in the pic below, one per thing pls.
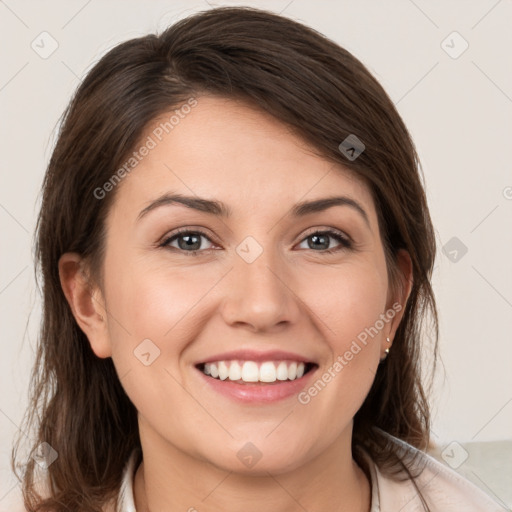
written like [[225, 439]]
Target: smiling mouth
[[252, 372]]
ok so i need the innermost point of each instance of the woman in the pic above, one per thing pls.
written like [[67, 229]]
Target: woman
[[236, 255]]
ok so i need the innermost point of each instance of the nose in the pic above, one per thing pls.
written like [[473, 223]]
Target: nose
[[260, 295]]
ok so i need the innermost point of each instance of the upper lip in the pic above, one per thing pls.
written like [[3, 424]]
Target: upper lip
[[252, 355]]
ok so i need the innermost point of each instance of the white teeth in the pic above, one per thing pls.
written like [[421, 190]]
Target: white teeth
[[292, 371], [282, 371], [223, 370], [235, 371], [268, 372], [249, 371], [214, 371]]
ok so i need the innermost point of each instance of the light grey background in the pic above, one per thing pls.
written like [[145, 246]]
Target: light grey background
[[457, 107]]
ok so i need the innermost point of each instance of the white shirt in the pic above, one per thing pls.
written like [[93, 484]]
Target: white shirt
[[442, 488]]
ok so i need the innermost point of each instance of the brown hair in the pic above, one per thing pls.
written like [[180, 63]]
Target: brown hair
[[306, 81]]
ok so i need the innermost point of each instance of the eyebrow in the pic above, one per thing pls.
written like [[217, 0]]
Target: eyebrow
[[220, 209]]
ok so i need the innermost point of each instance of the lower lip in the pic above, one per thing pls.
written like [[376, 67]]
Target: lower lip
[[262, 393]]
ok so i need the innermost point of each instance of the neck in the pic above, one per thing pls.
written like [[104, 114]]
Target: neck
[[170, 480]]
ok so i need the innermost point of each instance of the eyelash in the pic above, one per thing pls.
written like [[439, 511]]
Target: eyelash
[[345, 242]]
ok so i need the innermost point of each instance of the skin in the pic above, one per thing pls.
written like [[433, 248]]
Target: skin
[[293, 297]]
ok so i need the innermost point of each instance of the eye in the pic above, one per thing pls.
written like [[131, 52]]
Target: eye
[[188, 241], [320, 240]]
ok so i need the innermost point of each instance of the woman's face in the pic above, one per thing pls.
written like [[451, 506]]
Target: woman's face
[[261, 283]]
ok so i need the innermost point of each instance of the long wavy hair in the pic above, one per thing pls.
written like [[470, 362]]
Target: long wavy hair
[[317, 89]]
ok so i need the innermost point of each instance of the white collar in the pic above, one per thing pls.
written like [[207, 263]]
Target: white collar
[[126, 502], [444, 489]]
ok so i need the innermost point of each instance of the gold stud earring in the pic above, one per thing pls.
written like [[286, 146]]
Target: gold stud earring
[[386, 351]]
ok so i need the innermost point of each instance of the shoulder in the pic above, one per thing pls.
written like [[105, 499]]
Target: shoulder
[[442, 488], [13, 501]]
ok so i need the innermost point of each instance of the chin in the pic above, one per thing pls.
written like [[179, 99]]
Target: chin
[[257, 459]]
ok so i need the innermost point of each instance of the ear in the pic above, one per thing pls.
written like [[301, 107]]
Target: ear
[[86, 302], [401, 291]]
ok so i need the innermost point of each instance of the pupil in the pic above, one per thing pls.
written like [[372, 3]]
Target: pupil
[[320, 237], [190, 241]]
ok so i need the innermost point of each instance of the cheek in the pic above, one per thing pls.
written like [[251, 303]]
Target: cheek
[[144, 295], [151, 302], [346, 300], [154, 316], [155, 299], [348, 308]]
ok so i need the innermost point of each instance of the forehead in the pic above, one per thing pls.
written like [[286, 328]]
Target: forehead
[[228, 150]]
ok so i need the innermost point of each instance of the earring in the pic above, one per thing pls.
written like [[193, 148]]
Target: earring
[[386, 351]]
